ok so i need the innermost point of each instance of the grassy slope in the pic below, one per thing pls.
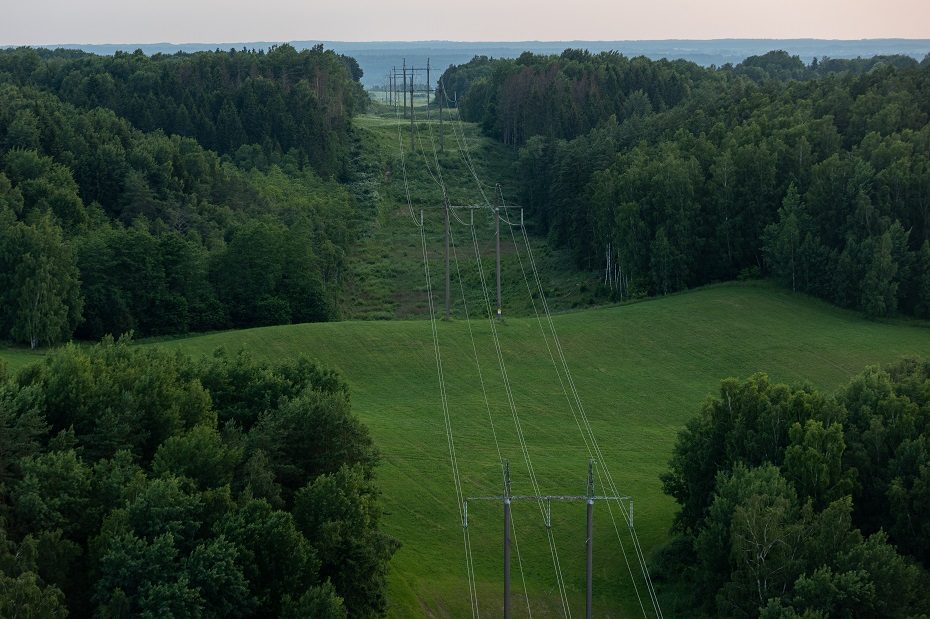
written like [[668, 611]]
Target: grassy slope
[[385, 270], [642, 370]]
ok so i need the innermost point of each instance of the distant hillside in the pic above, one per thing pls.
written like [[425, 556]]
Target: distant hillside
[[377, 57]]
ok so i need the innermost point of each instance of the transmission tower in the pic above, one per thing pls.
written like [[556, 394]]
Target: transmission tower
[[507, 498], [498, 212]]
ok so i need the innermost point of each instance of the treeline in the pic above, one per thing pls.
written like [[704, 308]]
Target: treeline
[[108, 229], [666, 175], [281, 100], [564, 96], [138, 483], [794, 503]]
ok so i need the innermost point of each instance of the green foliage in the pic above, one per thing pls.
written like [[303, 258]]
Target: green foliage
[[39, 286], [580, 90], [269, 275], [320, 601], [886, 434], [773, 65], [199, 455], [243, 389], [750, 423], [275, 557], [46, 187], [645, 365], [752, 532], [162, 507], [123, 498], [309, 435], [681, 175], [53, 493], [780, 529], [135, 281], [139, 578], [22, 427], [24, 596], [880, 288], [332, 510], [281, 99], [214, 571], [158, 398], [96, 172], [782, 240], [814, 462]]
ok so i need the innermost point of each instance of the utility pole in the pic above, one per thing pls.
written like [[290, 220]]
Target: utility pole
[[506, 540], [497, 240], [412, 80], [441, 135], [589, 498], [411, 74], [496, 211], [448, 277], [589, 572]]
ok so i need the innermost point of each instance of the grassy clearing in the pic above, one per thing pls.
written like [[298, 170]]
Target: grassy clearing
[[642, 370], [385, 269]]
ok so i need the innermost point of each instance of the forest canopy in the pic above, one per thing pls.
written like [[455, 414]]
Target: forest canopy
[[136, 482], [281, 100], [793, 503], [116, 218], [667, 175]]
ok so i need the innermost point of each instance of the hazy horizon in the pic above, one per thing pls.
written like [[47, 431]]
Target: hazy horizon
[[179, 43], [376, 58], [49, 22]]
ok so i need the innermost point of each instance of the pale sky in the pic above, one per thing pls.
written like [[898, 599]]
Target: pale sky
[[188, 21]]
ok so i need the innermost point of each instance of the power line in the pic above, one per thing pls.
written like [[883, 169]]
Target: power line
[[515, 416], [564, 375], [587, 426], [469, 563], [571, 405], [449, 434], [519, 428], [572, 409], [589, 498], [487, 405], [596, 448]]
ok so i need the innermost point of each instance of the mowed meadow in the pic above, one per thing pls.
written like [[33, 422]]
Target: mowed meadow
[[641, 369]]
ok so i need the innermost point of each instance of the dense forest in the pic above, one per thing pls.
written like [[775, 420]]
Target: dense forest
[[666, 175], [118, 215], [230, 102], [793, 503], [139, 483]]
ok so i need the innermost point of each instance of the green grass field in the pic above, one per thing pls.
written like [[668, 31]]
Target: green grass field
[[384, 278], [641, 369]]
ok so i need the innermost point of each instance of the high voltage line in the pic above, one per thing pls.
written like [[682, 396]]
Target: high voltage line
[[470, 165], [554, 349], [560, 582], [603, 470], [469, 566], [484, 394]]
